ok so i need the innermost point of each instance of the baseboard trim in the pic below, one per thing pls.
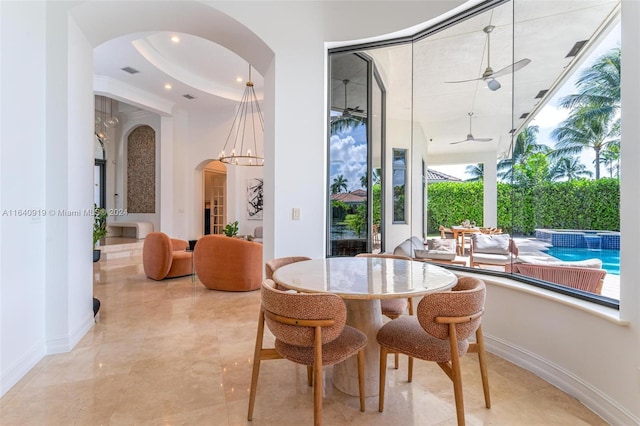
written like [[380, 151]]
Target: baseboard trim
[[594, 399], [66, 343], [21, 368]]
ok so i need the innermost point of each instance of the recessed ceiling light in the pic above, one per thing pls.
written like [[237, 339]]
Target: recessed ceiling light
[[239, 79], [175, 39], [167, 86]]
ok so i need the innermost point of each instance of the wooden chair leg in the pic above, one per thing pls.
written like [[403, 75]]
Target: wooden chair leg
[[383, 377], [256, 364], [396, 360], [310, 375], [410, 370], [361, 378], [483, 366], [410, 299], [456, 376], [317, 378]]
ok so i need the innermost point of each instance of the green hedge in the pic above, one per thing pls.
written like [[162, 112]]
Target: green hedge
[[578, 204]]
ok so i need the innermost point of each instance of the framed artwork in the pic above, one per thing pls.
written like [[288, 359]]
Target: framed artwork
[[254, 199]]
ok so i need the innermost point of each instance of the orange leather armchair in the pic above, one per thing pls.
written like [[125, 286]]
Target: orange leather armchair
[[229, 264], [164, 257]]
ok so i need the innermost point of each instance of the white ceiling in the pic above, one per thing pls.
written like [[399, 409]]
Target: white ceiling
[[544, 32], [414, 75], [193, 66]]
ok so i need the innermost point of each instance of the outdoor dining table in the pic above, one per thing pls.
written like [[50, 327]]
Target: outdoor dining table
[[460, 232], [362, 282]]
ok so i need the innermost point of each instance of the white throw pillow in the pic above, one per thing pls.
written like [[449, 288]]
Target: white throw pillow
[[493, 244], [441, 244]]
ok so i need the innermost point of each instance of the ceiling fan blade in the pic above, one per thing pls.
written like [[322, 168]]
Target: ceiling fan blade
[[482, 139], [464, 81], [455, 143], [512, 68]]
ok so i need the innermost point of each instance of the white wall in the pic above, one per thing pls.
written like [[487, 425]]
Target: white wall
[[593, 357], [22, 177]]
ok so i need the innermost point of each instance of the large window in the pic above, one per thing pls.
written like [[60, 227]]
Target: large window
[[518, 90], [355, 156]]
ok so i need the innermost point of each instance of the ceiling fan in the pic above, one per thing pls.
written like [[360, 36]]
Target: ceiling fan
[[348, 112], [470, 137], [489, 75]]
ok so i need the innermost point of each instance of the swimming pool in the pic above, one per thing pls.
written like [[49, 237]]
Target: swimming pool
[[610, 258]]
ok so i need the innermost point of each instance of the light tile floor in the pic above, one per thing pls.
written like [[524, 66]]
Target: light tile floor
[[174, 352]]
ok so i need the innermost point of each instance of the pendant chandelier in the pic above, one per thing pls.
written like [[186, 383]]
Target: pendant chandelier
[[104, 121], [235, 150]]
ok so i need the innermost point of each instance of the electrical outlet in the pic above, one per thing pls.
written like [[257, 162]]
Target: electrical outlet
[[295, 214]]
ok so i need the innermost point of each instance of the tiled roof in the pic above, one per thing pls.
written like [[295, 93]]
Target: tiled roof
[[357, 196], [436, 176]]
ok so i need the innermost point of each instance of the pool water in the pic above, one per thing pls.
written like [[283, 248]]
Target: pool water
[[610, 258]]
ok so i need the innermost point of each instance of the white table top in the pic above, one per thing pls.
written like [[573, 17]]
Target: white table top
[[365, 277]]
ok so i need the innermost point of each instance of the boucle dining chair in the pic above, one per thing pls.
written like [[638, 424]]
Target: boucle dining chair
[[273, 264], [392, 308], [309, 329], [439, 333]]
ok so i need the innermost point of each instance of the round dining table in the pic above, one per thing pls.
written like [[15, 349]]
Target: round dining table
[[362, 282]]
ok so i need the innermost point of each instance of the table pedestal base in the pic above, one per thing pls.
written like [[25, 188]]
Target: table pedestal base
[[366, 316]]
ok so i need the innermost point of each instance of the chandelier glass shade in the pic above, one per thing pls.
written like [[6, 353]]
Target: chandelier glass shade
[[104, 121], [247, 122]]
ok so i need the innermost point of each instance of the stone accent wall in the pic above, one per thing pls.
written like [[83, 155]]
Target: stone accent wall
[[141, 170]]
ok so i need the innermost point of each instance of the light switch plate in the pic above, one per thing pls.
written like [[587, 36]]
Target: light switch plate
[[295, 214]]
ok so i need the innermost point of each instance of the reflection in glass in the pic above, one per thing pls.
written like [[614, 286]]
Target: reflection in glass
[[348, 155], [399, 185]]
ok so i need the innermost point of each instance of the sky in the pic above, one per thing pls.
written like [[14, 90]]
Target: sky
[[551, 115]]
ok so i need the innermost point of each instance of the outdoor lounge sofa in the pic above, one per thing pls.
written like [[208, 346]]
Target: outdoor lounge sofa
[[585, 275], [436, 250]]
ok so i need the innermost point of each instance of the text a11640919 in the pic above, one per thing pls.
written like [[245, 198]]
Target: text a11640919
[[59, 212]]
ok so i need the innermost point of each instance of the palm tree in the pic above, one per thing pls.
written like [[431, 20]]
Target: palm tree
[[570, 168], [340, 124], [610, 157], [476, 171], [594, 122], [375, 178], [339, 184], [599, 86], [585, 130], [525, 146]]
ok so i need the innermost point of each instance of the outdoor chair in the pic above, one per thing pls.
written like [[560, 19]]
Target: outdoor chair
[[439, 333], [492, 249], [448, 234], [309, 329], [563, 273]]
